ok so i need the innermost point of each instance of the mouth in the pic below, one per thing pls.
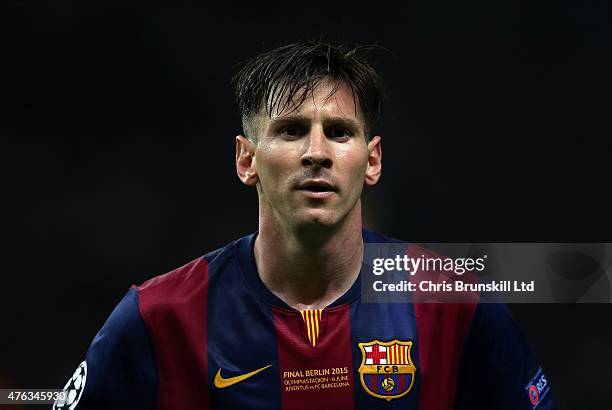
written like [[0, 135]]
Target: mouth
[[317, 188]]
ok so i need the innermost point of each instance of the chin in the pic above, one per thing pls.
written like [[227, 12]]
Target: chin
[[317, 219]]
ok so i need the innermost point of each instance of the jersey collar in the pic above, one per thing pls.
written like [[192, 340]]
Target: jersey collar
[[246, 256]]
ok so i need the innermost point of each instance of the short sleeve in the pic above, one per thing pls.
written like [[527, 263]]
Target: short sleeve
[[119, 369], [499, 370]]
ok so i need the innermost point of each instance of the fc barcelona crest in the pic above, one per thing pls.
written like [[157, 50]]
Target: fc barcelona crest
[[387, 370]]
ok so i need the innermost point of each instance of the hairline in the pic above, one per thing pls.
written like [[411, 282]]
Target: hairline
[[266, 108]]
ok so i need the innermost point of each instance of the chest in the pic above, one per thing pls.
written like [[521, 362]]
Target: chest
[[348, 357]]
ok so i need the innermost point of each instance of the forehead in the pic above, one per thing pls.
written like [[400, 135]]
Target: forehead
[[327, 99]]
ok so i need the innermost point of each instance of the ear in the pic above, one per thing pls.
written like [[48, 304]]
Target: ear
[[245, 161], [374, 161]]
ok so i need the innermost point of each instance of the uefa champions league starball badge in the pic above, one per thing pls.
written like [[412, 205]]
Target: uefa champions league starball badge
[[73, 389]]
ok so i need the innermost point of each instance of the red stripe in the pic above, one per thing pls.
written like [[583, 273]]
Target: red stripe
[[374, 383], [401, 379], [333, 351], [173, 307], [441, 327], [441, 332]]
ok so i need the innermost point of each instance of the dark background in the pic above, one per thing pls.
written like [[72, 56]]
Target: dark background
[[117, 156]]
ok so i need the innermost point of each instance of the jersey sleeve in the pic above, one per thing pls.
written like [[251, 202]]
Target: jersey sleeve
[[119, 370], [499, 369]]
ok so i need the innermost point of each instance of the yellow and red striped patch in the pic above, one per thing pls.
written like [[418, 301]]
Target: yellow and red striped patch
[[312, 319]]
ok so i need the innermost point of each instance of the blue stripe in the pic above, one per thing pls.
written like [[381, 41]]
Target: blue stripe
[[241, 338], [383, 322]]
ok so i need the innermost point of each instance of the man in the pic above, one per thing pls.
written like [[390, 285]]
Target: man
[[275, 319]]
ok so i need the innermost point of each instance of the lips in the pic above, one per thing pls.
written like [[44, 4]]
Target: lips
[[317, 189], [315, 185]]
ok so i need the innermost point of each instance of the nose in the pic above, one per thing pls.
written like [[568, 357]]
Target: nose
[[317, 151]]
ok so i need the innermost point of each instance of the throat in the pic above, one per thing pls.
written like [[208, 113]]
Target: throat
[[313, 294], [306, 276]]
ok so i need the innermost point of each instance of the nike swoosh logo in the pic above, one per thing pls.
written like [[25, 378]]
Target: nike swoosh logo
[[222, 383]]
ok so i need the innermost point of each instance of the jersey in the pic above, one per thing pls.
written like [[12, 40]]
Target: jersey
[[211, 335]]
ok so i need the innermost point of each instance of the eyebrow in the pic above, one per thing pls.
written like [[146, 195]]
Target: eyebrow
[[300, 119]]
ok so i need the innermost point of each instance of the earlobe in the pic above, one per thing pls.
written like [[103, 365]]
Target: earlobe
[[374, 169], [245, 161]]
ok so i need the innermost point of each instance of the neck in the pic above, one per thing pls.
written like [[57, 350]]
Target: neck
[[311, 267]]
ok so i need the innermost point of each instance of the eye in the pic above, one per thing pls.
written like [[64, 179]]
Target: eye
[[339, 134], [292, 131]]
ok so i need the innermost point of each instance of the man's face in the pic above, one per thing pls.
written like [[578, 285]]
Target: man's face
[[310, 163]]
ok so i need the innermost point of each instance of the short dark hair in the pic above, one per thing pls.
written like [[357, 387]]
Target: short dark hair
[[273, 80]]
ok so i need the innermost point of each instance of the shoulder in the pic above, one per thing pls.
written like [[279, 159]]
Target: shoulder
[[186, 287], [413, 250], [376, 237], [190, 278], [194, 271], [440, 315], [120, 352]]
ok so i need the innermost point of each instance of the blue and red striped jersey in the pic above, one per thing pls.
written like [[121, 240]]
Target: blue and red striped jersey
[[210, 335]]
